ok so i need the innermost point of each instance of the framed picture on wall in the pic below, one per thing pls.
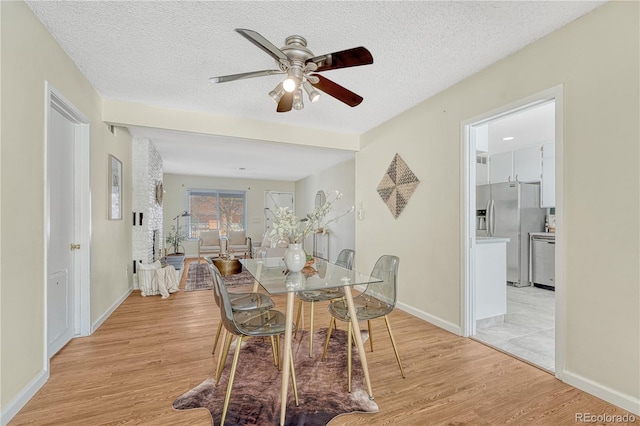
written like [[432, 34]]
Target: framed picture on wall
[[115, 188]]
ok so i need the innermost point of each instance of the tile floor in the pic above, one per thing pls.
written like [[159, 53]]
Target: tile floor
[[528, 331]]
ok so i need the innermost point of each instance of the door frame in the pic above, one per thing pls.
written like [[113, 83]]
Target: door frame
[[82, 196], [467, 225]]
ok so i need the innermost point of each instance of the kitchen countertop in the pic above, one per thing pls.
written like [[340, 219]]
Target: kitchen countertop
[[543, 234], [492, 240]]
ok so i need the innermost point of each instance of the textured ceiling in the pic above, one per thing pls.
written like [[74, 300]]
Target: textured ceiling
[[163, 53]]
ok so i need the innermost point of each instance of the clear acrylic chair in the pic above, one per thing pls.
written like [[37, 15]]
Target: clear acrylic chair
[[239, 301], [378, 300], [345, 259], [243, 325]]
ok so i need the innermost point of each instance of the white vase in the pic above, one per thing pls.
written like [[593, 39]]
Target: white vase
[[295, 258], [295, 280]]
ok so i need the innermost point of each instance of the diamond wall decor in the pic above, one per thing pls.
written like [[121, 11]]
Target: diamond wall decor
[[397, 185]]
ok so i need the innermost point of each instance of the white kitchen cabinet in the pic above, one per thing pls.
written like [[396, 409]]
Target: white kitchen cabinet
[[481, 137], [548, 181], [501, 167], [523, 164], [491, 278], [527, 164], [482, 170]]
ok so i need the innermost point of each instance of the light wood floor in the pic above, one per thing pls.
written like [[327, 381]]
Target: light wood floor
[[150, 351]]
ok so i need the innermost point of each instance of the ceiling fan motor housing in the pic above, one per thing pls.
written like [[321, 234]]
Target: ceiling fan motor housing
[[296, 49]]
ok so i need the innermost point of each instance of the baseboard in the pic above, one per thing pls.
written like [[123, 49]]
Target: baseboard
[[624, 401], [439, 322], [489, 321], [23, 397], [109, 311]]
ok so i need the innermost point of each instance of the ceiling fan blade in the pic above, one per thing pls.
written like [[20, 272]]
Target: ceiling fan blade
[[286, 102], [334, 89], [234, 77], [343, 59], [263, 44]]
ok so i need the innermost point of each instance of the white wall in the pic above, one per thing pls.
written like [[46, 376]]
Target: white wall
[[29, 57], [341, 177], [596, 58], [175, 200]]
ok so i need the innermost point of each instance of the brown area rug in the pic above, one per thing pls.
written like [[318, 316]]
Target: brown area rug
[[255, 397], [198, 278], [238, 280]]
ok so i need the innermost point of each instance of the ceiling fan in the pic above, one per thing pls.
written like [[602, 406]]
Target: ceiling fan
[[300, 65]]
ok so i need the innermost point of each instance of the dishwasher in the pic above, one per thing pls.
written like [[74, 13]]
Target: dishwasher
[[543, 259]]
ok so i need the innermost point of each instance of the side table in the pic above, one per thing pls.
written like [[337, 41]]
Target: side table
[[227, 266]]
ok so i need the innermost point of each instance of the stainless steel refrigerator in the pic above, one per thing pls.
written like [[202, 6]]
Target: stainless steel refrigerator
[[511, 210]]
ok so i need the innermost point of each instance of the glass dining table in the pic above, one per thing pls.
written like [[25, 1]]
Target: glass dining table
[[272, 275]]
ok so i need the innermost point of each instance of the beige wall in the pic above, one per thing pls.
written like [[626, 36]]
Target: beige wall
[[29, 57], [596, 58], [175, 200], [342, 178]]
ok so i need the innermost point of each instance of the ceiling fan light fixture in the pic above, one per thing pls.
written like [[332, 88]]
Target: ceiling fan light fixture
[[293, 80], [277, 93], [297, 100], [313, 94], [290, 84]]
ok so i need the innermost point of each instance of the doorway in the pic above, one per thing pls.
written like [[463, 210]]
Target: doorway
[[273, 199], [520, 303], [67, 221]]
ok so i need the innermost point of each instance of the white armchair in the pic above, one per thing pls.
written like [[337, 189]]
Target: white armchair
[[269, 248], [209, 243], [238, 243]]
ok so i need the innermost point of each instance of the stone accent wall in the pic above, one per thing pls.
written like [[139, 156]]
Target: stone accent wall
[[147, 172]]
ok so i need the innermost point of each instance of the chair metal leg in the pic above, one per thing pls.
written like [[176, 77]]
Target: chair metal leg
[[311, 329], [215, 342], [393, 343], [227, 396], [298, 317], [370, 334], [326, 343], [222, 356], [279, 365], [293, 378], [274, 351], [350, 330]]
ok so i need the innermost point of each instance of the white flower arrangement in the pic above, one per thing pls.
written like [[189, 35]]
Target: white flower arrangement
[[289, 227]]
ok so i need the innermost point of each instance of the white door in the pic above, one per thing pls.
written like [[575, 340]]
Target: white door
[[60, 267], [271, 200]]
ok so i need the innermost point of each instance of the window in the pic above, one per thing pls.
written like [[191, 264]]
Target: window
[[213, 209]]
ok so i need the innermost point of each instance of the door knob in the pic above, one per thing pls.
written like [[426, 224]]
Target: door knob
[[75, 246]]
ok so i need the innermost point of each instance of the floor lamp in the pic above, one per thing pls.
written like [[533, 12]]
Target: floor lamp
[[177, 219]]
